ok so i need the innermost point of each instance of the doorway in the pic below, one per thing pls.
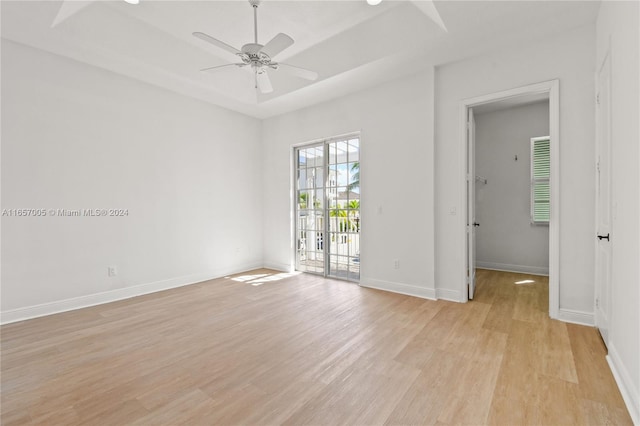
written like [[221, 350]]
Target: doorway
[[512, 186], [469, 222], [327, 208]]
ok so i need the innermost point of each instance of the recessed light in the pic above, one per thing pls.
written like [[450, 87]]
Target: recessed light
[[374, 2], [132, 1]]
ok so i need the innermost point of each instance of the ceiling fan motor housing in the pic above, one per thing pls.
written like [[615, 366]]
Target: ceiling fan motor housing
[[251, 54], [251, 48]]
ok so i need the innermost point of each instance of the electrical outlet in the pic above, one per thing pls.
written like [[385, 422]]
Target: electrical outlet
[[396, 264], [112, 271]]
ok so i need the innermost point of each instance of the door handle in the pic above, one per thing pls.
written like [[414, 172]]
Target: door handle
[[476, 224], [604, 237]]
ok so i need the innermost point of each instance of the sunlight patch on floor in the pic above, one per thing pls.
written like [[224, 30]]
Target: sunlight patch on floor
[[259, 279]]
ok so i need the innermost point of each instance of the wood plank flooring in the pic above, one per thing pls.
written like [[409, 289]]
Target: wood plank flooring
[[267, 348]]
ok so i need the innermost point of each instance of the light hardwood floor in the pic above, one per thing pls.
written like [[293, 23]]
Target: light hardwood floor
[[266, 348]]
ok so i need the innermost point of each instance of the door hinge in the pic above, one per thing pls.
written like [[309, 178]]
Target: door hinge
[[597, 303], [598, 99]]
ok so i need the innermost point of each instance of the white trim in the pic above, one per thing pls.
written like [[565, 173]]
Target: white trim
[[630, 395], [406, 289], [551, 87], [522, 269], [554, 220], [281, 267], [463, 290], [576, 317], [322, 140], [89, 300], [293, 203], [447, 294]]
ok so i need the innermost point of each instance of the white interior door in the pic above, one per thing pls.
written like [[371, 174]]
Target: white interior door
[[603, 201], [471, 203]]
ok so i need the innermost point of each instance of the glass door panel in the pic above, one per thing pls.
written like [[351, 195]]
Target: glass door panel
[[328, 187], [310, 209], [344, 226]]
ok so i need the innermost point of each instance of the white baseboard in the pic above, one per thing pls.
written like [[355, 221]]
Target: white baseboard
[[630, 395], [450, 295], [576, 317], [523, 269], [86, 301], [276, 266], [407, 289]]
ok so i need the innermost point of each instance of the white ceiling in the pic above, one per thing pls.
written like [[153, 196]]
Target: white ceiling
[[350, 44]]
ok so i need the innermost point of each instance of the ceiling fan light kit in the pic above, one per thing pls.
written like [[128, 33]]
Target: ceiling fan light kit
[[258, 56]]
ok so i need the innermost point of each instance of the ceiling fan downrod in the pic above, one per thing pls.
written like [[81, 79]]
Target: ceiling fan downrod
[[255, 4]]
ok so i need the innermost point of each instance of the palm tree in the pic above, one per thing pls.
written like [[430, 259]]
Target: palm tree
[[354, 208], [344, 223], [355, 169]]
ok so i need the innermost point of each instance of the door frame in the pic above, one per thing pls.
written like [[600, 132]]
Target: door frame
[[552, 89], [293, 199], [470, 211]]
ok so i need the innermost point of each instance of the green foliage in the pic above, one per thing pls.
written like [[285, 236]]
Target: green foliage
[[356, 177], [302, 200], [345, 224]]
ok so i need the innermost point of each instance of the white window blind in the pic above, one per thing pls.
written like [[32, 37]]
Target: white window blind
[[540, 173]]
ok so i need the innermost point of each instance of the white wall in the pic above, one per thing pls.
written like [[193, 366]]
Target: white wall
[[76, 137], [396, 124], [617, 27], [568, 57], [506, 239]]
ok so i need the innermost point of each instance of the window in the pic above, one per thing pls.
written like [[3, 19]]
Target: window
[[540, 173]]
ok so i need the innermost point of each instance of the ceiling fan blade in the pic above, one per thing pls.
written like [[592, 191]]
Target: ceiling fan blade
[[277, 44], [216, 42], [217, 67], [264, 82], [299, 72]]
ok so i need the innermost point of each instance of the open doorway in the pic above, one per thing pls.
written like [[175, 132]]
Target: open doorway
[[512, 186], [506, 227]]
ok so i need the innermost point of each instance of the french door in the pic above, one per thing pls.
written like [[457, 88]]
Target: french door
[[327, 191]]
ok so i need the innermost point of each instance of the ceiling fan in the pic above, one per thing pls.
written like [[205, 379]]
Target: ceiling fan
[[258, 56]]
